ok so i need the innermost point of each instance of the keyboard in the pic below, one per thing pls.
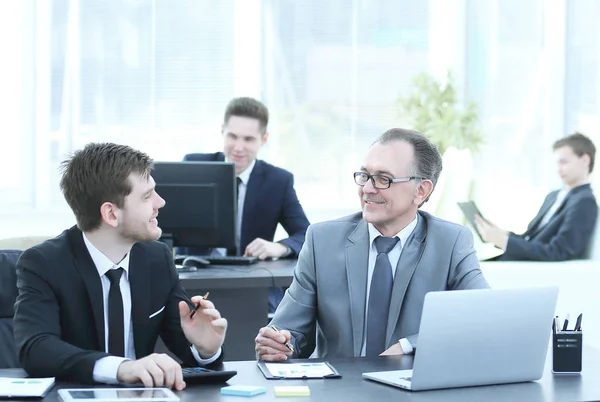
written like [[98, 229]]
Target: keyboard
[[230, 259], [201, 375]]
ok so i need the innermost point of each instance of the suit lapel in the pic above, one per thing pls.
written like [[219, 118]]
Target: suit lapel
[[407, 264], [568, 196], [255, 183], [89, 273], [357, 261], [140, 297], [536, 221]]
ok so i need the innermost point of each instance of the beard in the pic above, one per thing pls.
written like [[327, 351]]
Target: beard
[[138, 232]]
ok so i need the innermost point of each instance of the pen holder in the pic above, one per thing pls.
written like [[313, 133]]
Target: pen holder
[[566, 351]]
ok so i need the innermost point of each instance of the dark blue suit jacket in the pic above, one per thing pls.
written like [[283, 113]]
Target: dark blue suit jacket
[[270, 199], [565, 237]]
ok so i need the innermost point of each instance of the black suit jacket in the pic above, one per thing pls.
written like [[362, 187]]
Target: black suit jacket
[[270, 199], [59, 316], [566, 236]]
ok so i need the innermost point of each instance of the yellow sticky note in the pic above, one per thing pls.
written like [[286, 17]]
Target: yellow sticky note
[[285, 390]]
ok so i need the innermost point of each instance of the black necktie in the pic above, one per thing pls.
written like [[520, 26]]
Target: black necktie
[[116, 330], [379, 296], [238, 182]]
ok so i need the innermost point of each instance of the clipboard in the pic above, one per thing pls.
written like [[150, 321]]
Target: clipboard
[[290, 370], [469, 209]]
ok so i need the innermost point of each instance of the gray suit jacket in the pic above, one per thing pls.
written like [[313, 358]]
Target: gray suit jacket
[[324, 308]]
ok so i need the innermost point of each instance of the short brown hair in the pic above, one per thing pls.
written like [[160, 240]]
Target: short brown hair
[[580, 144], [248, 107], [428, 161], [97, 174]]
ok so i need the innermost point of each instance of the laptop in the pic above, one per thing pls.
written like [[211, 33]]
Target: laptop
[[479, 337]]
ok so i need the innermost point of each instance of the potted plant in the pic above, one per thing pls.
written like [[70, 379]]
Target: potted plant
[[433, 109]]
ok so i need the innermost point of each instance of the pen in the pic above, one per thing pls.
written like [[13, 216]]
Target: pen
[[564, 328], [287, 344], [198, 305], [578, 322], [555, 325]]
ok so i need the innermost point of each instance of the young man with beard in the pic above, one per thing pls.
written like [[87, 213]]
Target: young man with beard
[[93, 301]]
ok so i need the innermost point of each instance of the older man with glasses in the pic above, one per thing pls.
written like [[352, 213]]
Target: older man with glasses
[[360, 282]]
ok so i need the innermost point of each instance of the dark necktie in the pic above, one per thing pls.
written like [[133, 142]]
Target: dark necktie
[[238, 182], [116, 330], [379, 296]]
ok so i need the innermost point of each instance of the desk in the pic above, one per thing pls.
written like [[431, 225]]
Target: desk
[[351, 387], [240, 293]]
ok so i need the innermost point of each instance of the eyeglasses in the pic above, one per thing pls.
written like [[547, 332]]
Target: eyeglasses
[[379, 181]]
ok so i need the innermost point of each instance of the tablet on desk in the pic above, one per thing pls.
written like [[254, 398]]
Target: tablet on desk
[[469, 209], [121, 394]]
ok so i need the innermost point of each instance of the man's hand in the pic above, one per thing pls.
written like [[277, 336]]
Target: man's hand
[[393, 350], [206, 329], [491, 233], [263, 249], [270, 344], [156, 370]]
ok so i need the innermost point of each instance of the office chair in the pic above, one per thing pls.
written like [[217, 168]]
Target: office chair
[[8, 295]]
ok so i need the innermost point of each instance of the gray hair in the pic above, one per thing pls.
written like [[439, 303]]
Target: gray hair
[[428, 161]]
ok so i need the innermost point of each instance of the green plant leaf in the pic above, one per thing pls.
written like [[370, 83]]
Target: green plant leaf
[[432, 108]]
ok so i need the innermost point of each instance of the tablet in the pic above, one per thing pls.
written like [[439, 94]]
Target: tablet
[[469, 209], [121, 394]]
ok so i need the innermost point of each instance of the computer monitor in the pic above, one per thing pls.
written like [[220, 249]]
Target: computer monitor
[[201, 205]]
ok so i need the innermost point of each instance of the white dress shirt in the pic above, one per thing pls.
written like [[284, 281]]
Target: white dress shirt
[[244, 177], [394, 257], [105, 369], [560, 198]]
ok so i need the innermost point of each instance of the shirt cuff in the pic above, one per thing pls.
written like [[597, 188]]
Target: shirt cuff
[[288, 252], [105, 369], [407, 348], [204, 362]]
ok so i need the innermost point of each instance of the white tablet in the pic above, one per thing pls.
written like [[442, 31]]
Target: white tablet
[[122, 394]]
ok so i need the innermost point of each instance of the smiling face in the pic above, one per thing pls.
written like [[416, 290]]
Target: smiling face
[[391, 209], [242, 138], [137, 221]]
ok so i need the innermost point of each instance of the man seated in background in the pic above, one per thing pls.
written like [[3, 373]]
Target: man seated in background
[[564, 225], [266, 195], [360, 282], [93, 301]]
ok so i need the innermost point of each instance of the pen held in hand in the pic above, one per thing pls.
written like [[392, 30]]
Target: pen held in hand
[[287, 344], [198, 305]]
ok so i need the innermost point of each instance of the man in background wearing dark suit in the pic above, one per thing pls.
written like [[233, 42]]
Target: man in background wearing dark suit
[[93, 301], [266, 195], [564, 225]]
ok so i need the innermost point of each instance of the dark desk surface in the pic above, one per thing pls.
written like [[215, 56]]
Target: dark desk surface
[[351, 387], [241, 295], [261, 274]]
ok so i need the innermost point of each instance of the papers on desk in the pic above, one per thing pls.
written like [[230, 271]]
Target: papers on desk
[[300, 370], [25, 387]]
